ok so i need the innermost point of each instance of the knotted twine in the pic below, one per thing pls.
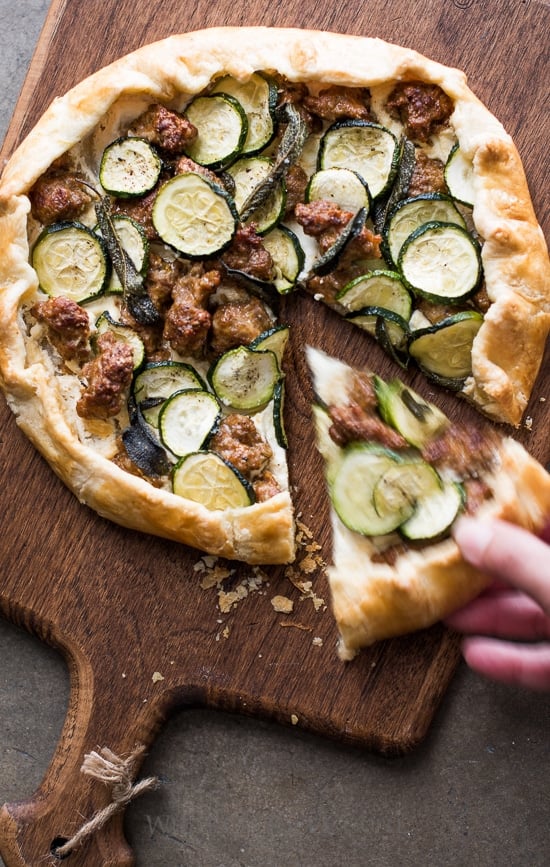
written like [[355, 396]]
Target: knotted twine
[[118, 773]]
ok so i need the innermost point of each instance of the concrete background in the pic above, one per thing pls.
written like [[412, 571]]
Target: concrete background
[[240, 793]]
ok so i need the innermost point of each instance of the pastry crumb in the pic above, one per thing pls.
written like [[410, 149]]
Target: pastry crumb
[[157, 676], [317, 641], [528, 422], [282, 604], [295, 625], [310, 562], [294, 719]]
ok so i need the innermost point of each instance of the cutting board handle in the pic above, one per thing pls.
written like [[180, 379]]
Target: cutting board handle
[[31, 831]]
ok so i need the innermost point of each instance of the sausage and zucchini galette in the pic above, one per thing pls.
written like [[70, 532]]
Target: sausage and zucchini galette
[[155, 215]]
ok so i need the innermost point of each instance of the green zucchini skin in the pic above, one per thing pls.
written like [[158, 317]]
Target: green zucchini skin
[[85, 269], [130, 167]]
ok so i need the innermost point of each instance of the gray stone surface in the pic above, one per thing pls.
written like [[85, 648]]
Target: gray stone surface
[[240, 793]]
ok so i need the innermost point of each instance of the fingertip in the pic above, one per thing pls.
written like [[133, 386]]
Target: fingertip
[[473, 536]]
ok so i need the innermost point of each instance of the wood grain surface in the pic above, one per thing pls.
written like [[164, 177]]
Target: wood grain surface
[[139, 635]]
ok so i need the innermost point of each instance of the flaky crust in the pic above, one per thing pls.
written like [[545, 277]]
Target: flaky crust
[[372, 600], [514, 254]]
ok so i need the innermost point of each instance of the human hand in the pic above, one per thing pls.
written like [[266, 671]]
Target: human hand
[[515, 607]]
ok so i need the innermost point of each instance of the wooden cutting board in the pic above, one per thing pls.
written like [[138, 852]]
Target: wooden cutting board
[[140, 634]]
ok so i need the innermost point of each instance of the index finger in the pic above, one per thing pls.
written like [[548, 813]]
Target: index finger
[[507, 552]]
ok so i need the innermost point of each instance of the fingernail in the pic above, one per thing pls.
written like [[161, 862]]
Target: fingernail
[[472, 537]]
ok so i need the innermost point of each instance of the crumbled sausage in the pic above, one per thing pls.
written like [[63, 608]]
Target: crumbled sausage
[[239, 442], [321, 216], [166, 129], [294, 93], [162, 275], [428, 176], [140, 209], [68, 327], [338, 103], [166, 279], [481, 300], [184, 164], [247, 253], [187, 323], [477, 493], [186, 328], [325, 220], [422, 108], [434, 311], [352, 423], [296, 181], [57, 196], [150, 335], [237, 324], [364, 245], [109, 376], [266, 487], [363, 392], [466, 449]]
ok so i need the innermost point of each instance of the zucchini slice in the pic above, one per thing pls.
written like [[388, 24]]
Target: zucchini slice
[[367, 148], [444, 351], [222, 130], [278, 414], [375, 491], [343, 186], [248, 175], [245, 379], [441, 261], [258, 97], [186, 419], [194, 216], [134, 241], [402, 487], [381, 305], [352, 488], [158, 380], [105, 322], [377, 289], [409, 214], [287, 255], [129, 167], [71, 260], [414, 418], [207, 479], [459, 176], [435, 513], [395, 327], [275, 339]]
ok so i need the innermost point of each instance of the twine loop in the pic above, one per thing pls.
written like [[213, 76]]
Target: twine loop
[[118, 773]]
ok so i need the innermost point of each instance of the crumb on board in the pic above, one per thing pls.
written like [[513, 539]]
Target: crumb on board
[[317, 641], [305, 565], [528, 423], [213, 574], [295, 625], [157, 676], [217, 574], [282, 604], [294, 719]]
